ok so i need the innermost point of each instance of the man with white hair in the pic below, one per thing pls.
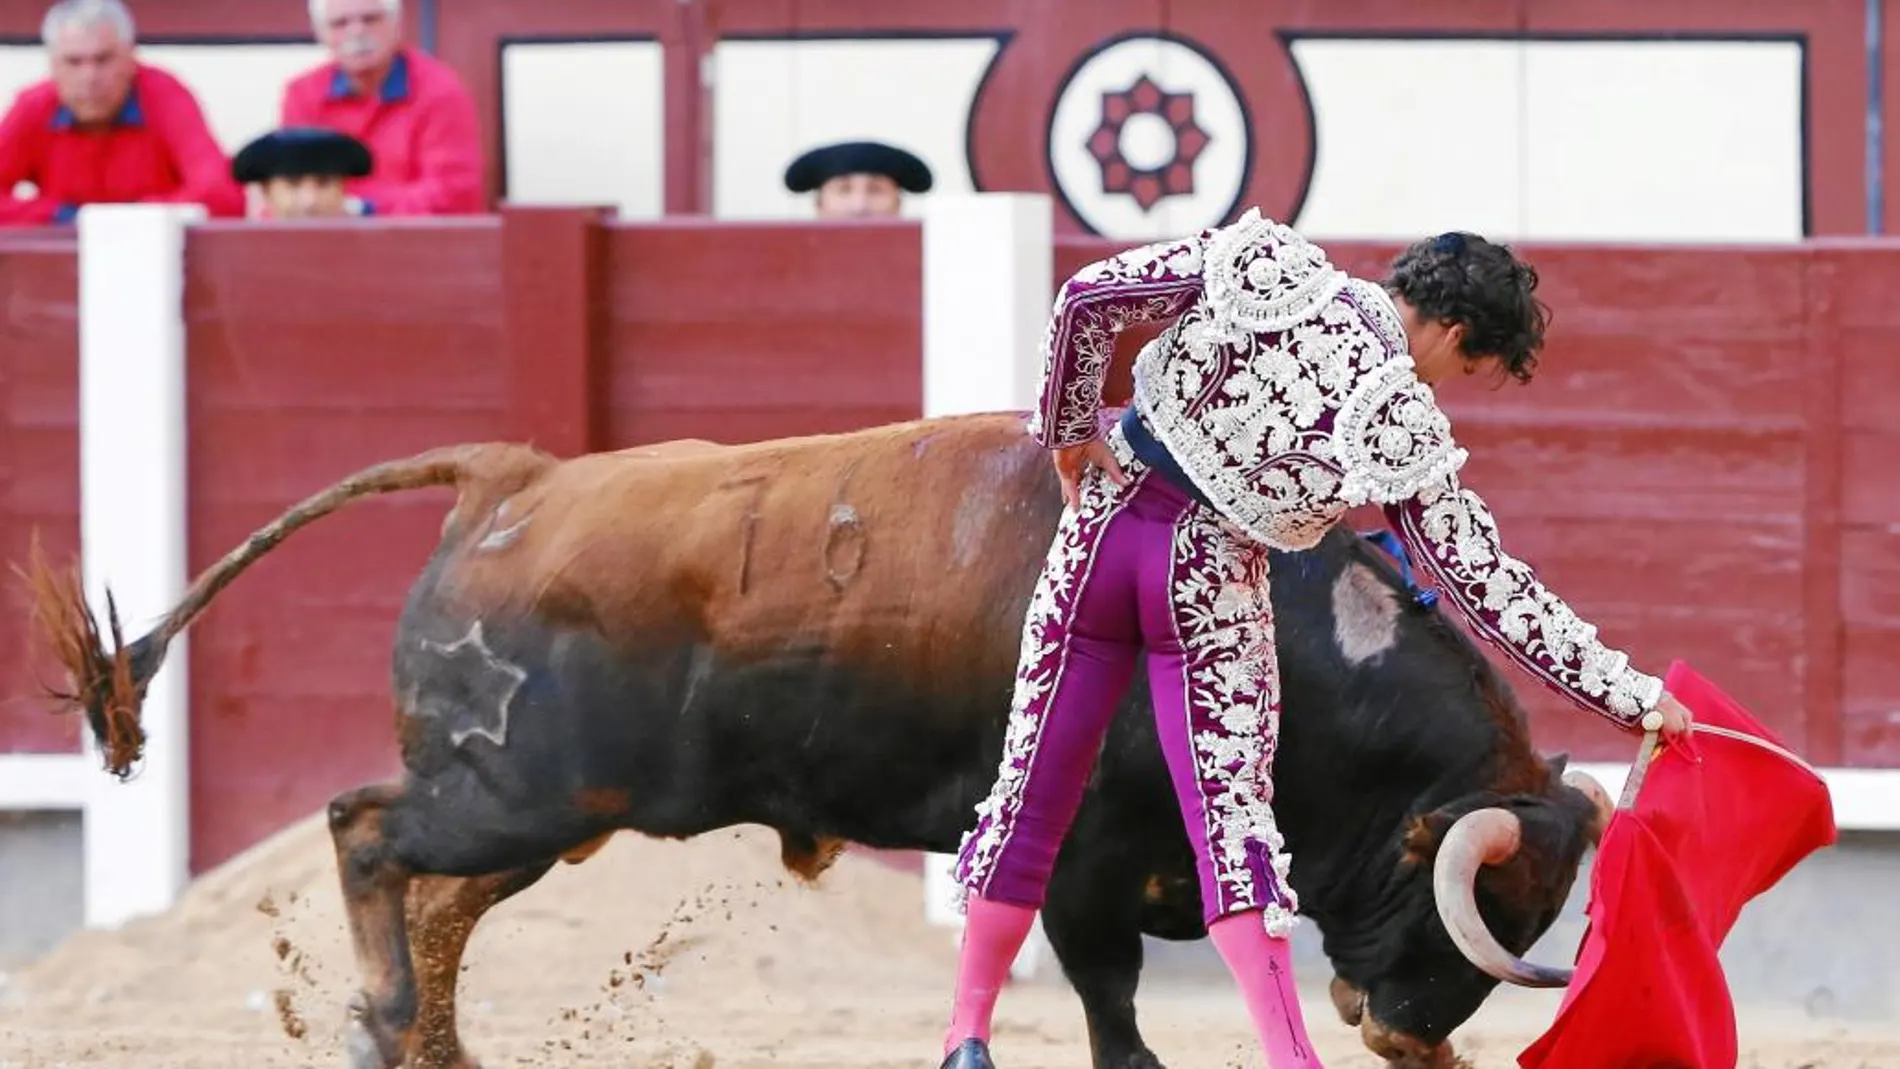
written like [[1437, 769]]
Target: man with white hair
[[106, 128], [409, 108]]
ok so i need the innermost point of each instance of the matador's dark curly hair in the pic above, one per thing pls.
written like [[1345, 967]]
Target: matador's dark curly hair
[[1459, 277]]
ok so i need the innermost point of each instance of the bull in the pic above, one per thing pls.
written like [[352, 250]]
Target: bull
[[819, 635]]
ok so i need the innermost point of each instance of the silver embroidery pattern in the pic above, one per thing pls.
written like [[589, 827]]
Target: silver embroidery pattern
[[1039, 667], [1261, 276], [1161, 279], [1504, 601], [1244, 390], [1453, 533], [1224, 614], [1391, 437]]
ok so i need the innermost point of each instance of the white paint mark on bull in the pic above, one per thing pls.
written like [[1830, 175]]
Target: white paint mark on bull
[[995, 474], [502, 537], [494, 675], [696, 673], [1365, 614], [845, 539]]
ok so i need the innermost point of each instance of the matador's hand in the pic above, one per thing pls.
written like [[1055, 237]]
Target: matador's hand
[[1676, 717], [1072, 461]]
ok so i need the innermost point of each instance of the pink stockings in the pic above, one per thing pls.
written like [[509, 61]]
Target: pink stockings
[[1262, 966], [992, 934]]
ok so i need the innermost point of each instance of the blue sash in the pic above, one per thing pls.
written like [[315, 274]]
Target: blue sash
[[1149, 450]]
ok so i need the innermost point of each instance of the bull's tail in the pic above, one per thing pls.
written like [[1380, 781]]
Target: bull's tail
[[109, 686]]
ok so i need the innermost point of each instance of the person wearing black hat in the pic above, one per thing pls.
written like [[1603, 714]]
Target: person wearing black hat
[[300, 172], [858, 179]]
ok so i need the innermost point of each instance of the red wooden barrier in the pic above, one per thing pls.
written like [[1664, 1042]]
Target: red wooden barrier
[[762, 331], [1703, 468], [39, 459]]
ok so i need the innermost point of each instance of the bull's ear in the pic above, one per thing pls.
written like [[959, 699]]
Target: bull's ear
[[1558, 762], [1422, 836]]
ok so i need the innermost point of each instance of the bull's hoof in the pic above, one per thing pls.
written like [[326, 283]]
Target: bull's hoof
[[1142, 1059], [970, 1054], [360, 1047]]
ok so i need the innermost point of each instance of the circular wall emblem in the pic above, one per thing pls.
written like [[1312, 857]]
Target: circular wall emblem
[[1149, 139]]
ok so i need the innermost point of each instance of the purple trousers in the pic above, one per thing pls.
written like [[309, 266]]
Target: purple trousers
[[1143, 570]]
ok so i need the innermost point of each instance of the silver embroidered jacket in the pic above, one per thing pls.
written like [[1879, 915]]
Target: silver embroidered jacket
[[1286, 391]]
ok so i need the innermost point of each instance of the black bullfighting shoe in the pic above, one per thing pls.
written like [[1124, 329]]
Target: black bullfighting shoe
[[970, 1054]]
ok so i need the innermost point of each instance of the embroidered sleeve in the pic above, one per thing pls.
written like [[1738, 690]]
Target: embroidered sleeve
[[1396, 448], [1451, 531], [1152, 282]]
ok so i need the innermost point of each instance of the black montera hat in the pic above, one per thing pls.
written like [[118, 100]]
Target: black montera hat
[[301, 151], [820, 165]]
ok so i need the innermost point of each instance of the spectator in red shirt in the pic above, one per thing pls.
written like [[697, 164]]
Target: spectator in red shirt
[[409, 108], [106, 128]]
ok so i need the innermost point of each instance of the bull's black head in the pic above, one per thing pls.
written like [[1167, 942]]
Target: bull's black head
[[1486, 863]]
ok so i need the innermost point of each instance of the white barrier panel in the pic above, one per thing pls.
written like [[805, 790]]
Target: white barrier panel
[[988, 261], [988, 258], [132, 532]]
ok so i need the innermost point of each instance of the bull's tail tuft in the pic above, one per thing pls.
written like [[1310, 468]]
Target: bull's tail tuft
[[108, 686]]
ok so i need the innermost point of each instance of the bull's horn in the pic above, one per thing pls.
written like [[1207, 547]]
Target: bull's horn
[[1596, 792], [1484, 837]]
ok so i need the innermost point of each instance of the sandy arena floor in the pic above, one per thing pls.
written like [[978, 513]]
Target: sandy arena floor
[[753, 973]]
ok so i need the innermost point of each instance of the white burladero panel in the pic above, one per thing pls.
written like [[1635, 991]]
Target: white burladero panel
[[560, 149], [988, 284], [774, 99], [132, 528], [1605, 140]]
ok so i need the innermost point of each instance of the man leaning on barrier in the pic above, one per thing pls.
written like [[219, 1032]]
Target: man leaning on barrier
[[105, 128]]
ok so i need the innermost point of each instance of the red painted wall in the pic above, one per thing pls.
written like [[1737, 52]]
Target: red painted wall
[[1702, 468]]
